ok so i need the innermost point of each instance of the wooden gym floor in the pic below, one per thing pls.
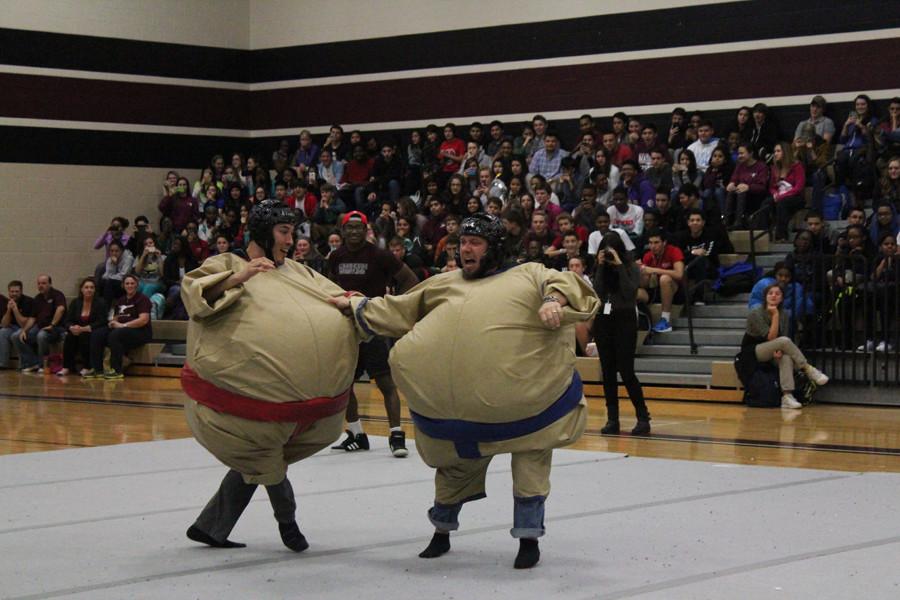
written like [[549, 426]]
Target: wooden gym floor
[[39, 413]]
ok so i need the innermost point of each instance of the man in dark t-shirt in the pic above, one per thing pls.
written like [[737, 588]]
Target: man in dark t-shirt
[[359, 266], [41, 329], [14, 315]]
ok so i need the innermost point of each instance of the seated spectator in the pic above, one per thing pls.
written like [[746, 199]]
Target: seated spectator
[[851, 271], [128, 328], [451, 154], [662, 270], [387, 175], [885, 221], [329, 170], [207, 229], [179, 261], [165, 236], [540, 230], [648, 143], [222, 246], [181, 207], [853, 165], [149, 269], [533, 253], [281, 158], [746, 189], [543, 201], [640, 191], [602, 227], [306, 253], [786, 184], [494, 207], [451, 225], [547, 161], [796, 301], [578, 265], [434, 228], [18, 309], [572, 248], [716, 178], [616, 151], [766, 340], [307, 153], [447, 261], [586, 211], [818, 229], [116, 231], [883, 288], [87, 313], [668, 215], [514, 221], [456, 196], [43, 328], [703, 148], [856, 216], [888, 131], [651, 223], [806, 263], [407, 231], [763, 133], [659, 173], [168, 186], [142, 229], [212, 198], [356, 179], [234, 197], [624, 215], [200, 248], [397, 246], [888, 189], [814, 153], [822, 125], [701, 246], [329, 209], [685, 172], [340, 150], [118, 265]]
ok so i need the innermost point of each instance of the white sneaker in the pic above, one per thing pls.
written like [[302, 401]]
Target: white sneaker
[[883, 346], [817, 376], [30, 369], [84, 372], [869, 346], [788, 401]]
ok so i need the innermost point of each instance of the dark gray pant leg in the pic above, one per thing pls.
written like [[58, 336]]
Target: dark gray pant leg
[[224, 509], [281, 495]]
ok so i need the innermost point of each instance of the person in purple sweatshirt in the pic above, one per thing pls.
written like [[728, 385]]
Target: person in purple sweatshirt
[[746, 189]]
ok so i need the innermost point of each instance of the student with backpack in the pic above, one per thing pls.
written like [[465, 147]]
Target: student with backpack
[[765, 340]]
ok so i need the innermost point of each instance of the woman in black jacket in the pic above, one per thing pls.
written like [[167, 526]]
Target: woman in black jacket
[[179, 262], [616, 279], [87, 313]]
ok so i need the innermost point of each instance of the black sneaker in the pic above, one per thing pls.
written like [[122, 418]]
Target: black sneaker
[[642, 428], [611, 428], [397, 442], [353, 442]]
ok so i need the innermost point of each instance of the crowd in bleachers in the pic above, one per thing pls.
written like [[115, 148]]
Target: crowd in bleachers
[[674, 192]]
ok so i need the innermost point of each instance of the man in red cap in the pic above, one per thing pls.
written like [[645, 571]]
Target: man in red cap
[[364, 267]]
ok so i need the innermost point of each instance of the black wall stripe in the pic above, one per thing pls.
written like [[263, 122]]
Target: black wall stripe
[[127, 149], [667, 28]]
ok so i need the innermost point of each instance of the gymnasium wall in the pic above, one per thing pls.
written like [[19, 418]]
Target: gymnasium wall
[[123, 84]]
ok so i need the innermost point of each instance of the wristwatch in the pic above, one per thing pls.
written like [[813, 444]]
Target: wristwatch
[[550, 298]]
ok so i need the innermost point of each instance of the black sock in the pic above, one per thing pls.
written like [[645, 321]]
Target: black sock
[[204, 538], [291, 536], [528, 555], [440, 544]]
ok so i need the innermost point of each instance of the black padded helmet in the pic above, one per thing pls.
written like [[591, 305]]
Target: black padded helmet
[[491, 229], [263, 217]]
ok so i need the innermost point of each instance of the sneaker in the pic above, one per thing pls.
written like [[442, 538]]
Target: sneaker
[[91, 374], [30, 369], [41, 371], [397, 443], [869, 346], [883, 346], [642, 428], [817, 376], [85, 372], [62, 373], [788, 401], [113, 375], [353, 442], [611, 428], [662, 326]]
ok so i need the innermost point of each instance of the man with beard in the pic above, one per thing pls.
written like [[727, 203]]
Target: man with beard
[[504, 325], [251, 402]]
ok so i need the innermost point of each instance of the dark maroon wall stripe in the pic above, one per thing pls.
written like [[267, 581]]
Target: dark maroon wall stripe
[[775, 72], [65, 98], [845, 67]]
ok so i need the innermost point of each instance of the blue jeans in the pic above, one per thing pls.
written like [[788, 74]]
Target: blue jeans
[[36, 345], [7, 334]]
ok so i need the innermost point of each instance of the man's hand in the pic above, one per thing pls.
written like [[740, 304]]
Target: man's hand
[[256, 266], [47, 328], [742, 187], [23, 335], [342, 303], [550, 314]]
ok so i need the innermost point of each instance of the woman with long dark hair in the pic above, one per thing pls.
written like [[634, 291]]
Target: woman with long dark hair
[[86, 314], [616, 281]]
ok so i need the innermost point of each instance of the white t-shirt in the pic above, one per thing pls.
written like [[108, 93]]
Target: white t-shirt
[[596, 237], [632, 220], [703, 152]]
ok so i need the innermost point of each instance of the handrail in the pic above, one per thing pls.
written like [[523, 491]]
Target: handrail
[[688, 303], [753, 236]]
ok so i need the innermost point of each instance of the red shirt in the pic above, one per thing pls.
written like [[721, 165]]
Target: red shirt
[[458, 147], [358, 173], [671, 255]]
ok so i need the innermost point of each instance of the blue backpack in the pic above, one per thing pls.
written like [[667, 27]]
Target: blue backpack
[[736, 279]]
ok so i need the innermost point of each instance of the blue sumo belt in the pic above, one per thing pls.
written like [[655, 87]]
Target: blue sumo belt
[[466, 435]]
